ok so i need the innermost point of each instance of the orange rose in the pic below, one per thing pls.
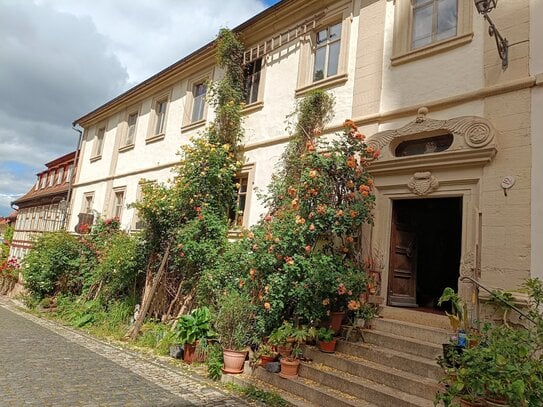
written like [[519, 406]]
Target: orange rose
[[267, 306]]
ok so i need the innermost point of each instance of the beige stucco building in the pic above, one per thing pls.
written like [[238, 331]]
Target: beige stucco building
[[458, 183]]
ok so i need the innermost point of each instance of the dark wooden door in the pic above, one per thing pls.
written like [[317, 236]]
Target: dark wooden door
[[402, 275]]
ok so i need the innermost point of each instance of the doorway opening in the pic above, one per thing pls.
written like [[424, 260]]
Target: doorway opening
[[425, 248]]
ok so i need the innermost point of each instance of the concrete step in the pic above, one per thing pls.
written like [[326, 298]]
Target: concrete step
[[415, 316], [404, 381], [392, 358], [246, 380], [412, 346], [412, 330], [315, 392], [361, 388]]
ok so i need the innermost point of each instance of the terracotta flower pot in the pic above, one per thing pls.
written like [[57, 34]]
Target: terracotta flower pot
[[233, 361], [289, 368], [336, 318], [264, 360], [328, 347], [188, 354], [285, 350]]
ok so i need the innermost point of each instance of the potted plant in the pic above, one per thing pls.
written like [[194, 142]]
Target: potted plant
[[234, 326], [326, 341], [457, 317], [364, 315], [291, 364], [282, 338], [264, 355], [191, 328]]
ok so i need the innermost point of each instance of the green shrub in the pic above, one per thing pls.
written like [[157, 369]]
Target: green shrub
[[120, 264], [55, 264]]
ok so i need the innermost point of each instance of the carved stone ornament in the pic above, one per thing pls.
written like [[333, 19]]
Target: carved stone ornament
[[468, 265], [476, 131], [422, 183]]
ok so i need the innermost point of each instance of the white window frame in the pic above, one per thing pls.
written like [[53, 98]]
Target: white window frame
[[98, 145], [339, 14], [402, 51], [247, 172], [87, 197], [52, 174], [250, 89], [188, 123], [129, 137], [60, 175], [154, 133], [117, 208]]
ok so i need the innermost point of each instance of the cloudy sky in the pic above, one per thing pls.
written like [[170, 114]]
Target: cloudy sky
[[59, 59]]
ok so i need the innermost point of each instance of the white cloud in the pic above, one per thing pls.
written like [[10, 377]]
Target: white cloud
[[63, 58]]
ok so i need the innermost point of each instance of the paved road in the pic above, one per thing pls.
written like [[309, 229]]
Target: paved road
[[44, 364]]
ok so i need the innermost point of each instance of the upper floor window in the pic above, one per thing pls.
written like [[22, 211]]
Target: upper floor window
[[99, 142], [70, 172], [252, 80], [160, 112], [425, 27], [52, 178], [433, 20], [131, 130], [198, 103], [327, 47], [43, 180], [60, 175], [118, 204]]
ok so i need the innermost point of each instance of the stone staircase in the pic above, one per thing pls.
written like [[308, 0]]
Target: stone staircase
[[394, 366]]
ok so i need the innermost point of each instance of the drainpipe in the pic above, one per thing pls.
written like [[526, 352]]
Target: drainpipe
[[74, 172]]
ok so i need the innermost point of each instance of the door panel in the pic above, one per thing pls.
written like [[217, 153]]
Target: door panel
[[402, 279]]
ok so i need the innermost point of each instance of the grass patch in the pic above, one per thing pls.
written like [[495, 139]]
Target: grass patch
[[254, 393]]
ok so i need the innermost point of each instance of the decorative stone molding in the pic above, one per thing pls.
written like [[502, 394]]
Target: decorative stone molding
[[422, 183], [476, 131]]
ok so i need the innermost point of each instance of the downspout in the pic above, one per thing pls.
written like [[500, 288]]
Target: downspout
[[73, 175]]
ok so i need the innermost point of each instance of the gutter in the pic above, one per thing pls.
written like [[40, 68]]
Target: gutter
[[72, 177]]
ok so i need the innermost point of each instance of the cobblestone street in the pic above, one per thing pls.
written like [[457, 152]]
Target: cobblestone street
[[44, 364]]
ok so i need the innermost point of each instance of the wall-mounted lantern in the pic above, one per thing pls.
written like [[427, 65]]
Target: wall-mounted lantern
[[484, 7]]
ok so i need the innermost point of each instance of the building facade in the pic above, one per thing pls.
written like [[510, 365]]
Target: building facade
[[458, 183], [44, 207]]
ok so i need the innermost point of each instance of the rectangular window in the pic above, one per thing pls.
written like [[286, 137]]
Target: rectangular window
[[60, 175], [326, 57], [118, 204], [99, 142], [51, 178], [237, 216], [88, 201], [69, 174], [198, 102], [433, 20], [160, 116], [37, 184], [43, 180], [131, 130], [251, 74]]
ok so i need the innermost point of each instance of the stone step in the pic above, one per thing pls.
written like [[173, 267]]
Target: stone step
[[412, 346], [316, 392], [246, 380], [392, 358], [404, 381], [361, 388], [416, 316], [412, 330]]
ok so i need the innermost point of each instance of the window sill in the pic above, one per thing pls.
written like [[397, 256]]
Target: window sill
[[155, 138], [126, 148], [252, 107], [431, 49], [96, 158], [323, 83], [193, 125]]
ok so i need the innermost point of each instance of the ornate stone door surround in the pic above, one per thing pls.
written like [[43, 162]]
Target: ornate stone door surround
[[456, 171]]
